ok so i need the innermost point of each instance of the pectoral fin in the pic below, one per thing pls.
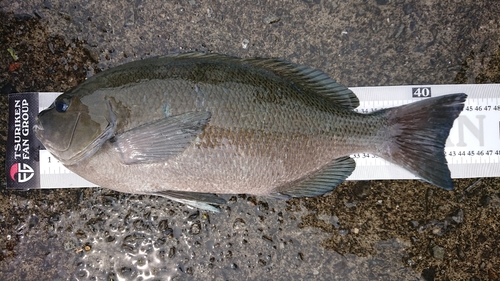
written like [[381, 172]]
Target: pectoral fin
[[159, 140], [319, 183], [203, 201]]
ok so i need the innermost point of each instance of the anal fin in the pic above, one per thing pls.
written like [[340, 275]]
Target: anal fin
[[319, 183]]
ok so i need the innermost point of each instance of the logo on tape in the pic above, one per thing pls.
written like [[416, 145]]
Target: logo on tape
[[21, 172]]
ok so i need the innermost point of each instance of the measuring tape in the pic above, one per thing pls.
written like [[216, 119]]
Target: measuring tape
[[473, 146], [472, 149]]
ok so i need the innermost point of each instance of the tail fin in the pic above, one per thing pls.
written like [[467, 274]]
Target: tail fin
[[417, 134]]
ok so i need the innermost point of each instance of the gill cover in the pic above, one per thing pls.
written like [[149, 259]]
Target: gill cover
[[71, 132]]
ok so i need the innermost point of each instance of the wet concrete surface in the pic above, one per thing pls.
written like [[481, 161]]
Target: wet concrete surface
[[367, 230]]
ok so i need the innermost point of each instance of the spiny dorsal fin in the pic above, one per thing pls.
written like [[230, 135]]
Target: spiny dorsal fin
[[310, 79]]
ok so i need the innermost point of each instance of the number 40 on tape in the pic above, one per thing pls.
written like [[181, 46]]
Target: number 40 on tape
[[421, 92]]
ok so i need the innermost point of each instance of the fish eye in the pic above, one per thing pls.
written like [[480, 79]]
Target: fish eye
[[62, 105]]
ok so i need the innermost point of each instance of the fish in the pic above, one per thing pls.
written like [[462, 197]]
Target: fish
[[190, 127]]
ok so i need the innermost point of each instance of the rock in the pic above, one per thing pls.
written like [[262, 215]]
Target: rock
[[438, 252]]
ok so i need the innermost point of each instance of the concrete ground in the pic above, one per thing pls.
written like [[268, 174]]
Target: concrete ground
[[367, 230]]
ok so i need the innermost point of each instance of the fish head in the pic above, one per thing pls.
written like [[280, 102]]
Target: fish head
[[73, 130]]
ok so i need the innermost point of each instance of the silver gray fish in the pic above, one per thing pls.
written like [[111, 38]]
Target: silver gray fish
[[188, 126]]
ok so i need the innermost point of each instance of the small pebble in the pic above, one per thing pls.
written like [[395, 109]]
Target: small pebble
[[244, 43], [438, 252], [272, 18], [459, 218]]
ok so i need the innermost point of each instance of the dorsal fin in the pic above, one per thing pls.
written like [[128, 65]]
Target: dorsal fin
[[309, 79]]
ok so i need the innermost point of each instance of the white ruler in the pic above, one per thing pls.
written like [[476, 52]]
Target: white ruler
[[472, 149]]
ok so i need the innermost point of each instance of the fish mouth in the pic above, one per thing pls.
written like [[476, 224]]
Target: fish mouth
[[38, 126], [37, 129]]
